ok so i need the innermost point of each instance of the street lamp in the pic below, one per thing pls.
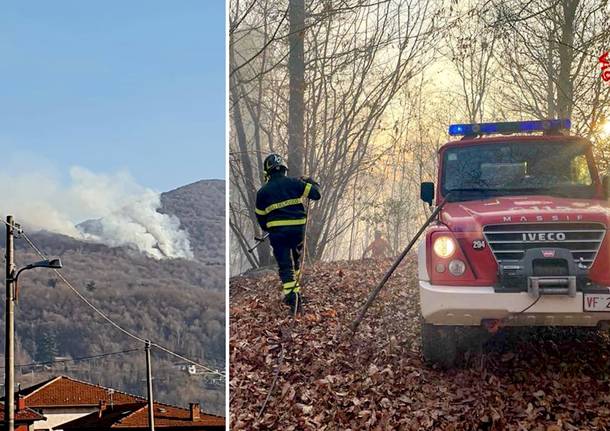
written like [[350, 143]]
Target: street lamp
[[51, 264], [12, 277]]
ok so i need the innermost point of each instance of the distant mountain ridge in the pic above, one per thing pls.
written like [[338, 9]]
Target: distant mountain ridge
[[200, 207]]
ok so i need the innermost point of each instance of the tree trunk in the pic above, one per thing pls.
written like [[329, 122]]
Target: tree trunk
[[264, 251], [550, 89], [296, 72], [566, 56]]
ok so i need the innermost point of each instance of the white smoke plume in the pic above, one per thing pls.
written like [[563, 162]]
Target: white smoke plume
[[121, 212]]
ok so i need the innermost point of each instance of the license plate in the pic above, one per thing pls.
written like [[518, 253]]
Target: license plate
[[597, 302]]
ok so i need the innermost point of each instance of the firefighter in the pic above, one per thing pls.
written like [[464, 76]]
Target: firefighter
[[379, 248], [280, 211]]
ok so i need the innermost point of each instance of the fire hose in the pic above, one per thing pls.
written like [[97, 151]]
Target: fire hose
[[356, 322], [287, 334], [388, 274]]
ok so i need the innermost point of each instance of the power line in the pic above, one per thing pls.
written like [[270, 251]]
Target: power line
[[112, 322], [108, 319], [82, 358], [81, 297]]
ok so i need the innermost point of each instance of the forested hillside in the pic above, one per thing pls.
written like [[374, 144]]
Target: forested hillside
[[201, 210], [177, 303]]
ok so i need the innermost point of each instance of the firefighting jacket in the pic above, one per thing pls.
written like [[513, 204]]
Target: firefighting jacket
[[280, 201]]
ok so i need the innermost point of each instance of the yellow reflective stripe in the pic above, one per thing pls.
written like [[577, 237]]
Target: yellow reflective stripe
[[291, 286], [307, 189], [296, 222], [278, 205]]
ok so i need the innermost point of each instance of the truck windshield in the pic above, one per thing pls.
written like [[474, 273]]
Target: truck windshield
[[501, 169]]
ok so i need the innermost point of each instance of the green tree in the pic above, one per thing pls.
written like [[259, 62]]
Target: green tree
[[46, 347]]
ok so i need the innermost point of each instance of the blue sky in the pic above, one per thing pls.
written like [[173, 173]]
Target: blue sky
[[111, 85]]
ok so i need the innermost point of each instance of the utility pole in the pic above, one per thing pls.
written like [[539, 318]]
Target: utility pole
[[9, 318], [151, 411]]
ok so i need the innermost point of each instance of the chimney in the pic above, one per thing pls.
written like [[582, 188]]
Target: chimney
[[102, 407], [195, 411], [20, 403]]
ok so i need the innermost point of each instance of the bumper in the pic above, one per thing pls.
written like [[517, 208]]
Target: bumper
[[469, 306]]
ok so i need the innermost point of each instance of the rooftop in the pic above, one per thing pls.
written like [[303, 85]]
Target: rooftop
[[63, 391], [117, 411], [22, 415], [135, 416]]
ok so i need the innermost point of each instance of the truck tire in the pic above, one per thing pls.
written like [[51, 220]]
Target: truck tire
[[439, 344]]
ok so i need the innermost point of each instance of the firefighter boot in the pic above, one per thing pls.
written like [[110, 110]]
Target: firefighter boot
[[294, 301]]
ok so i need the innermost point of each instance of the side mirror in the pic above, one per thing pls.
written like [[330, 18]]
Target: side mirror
[[605, 186], [426, 192]]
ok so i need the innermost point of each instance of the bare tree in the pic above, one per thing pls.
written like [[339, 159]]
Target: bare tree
[[470, 49], [548, 58], [358, 61], [357, 55], [296, 72], [246, 90]]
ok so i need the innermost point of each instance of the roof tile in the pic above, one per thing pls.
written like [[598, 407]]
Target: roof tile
[[135, 415], [23, 415], [66, 391]]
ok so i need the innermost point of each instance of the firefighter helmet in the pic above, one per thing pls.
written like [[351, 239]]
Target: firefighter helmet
[[273, 162]]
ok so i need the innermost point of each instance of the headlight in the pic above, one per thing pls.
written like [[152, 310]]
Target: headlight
[[457, 267], [444, 247]]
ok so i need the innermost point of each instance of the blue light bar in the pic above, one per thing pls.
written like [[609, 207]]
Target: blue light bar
[[508, 127]]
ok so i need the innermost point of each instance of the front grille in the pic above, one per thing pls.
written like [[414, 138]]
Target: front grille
[[510, 241]]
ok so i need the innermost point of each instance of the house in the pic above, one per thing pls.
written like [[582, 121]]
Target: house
[[65, 403], [191, 369], [134, 417], [62, 399], [24, 417]]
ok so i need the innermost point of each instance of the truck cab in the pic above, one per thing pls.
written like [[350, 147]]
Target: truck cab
[[521, 238]]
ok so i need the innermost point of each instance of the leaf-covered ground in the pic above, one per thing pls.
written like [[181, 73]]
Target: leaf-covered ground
[[522, 379]]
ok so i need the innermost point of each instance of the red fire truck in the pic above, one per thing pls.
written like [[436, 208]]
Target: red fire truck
[[521, 236]]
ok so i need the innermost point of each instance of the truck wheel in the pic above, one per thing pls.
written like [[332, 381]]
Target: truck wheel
[[470, 340], [439, 344]]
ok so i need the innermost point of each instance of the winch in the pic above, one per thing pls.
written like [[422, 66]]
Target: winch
[[542, 271]]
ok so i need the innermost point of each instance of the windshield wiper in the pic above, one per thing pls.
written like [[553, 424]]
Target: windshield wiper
[[452, 194], [527, 190], [480, 190], [473, 189], [546, 191]]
